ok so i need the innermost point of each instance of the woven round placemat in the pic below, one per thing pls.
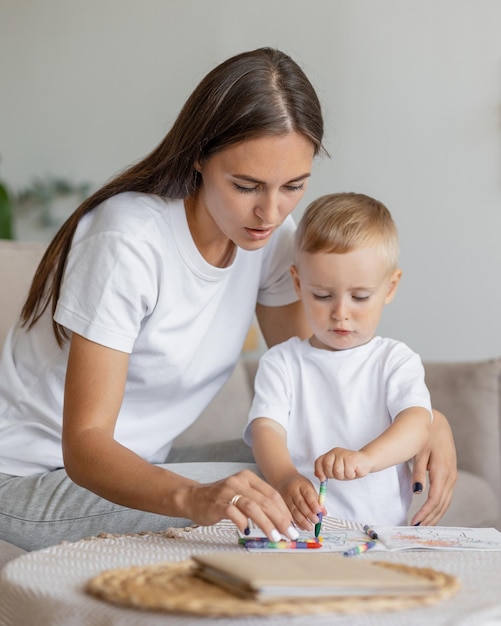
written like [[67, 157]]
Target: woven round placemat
[[173, 587]]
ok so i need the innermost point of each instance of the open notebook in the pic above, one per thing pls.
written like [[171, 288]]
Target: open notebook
[[391, 538]]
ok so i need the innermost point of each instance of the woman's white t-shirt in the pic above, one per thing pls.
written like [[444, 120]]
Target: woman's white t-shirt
[[136, 282]]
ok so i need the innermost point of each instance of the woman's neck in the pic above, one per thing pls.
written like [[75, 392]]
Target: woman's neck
[[212, 244]]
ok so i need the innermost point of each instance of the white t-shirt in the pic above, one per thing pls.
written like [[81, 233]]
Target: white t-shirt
[[344, 398], [136, 282]]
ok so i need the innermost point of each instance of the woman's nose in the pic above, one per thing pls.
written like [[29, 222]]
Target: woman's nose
[[267, 208]]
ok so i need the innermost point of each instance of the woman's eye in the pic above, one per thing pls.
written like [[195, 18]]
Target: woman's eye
[[244, 189], [360, 298], [295, 187]]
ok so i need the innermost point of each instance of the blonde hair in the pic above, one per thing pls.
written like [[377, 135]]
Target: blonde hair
[[342, 222]]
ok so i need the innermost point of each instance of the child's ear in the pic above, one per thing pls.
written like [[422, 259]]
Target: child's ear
[[393, 285], [296, 281]]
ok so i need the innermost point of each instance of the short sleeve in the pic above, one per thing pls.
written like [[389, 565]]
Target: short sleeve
[[406, 385], [110, 285], [272, 391]]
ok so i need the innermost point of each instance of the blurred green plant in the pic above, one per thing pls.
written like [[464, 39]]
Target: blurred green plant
[[6, 229], [39, 199], [42, 194]]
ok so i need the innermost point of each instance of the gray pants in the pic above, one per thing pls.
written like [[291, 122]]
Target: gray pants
[[45, 509]]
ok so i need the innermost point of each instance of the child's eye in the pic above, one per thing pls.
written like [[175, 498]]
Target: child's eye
[[318, 296], [360, 298]]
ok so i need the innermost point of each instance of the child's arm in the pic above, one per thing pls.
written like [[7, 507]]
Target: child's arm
[[269, 446], [402, 440]]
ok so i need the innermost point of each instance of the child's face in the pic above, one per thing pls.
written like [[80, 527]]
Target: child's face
[[344, 295]]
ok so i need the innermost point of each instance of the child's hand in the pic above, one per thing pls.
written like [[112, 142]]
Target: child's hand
[[301, 498], [342, 464]]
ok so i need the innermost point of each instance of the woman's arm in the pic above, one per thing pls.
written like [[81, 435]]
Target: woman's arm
[[95, 383], [279, 323], [438, 456]]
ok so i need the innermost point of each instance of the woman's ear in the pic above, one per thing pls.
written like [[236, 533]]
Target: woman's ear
[[393, 285], [296, 281]]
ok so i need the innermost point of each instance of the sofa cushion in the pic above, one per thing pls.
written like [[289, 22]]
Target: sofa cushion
[[469, 396], [234, 450], [18, 262]]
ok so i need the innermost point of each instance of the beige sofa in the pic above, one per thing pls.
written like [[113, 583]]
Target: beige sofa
[[468, 393]]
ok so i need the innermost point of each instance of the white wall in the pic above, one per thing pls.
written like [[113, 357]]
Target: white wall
[[412, 100]]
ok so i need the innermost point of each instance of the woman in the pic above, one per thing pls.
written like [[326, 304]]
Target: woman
[[138, 312]]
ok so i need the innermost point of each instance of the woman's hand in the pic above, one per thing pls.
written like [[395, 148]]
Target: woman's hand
[[239, 498], [439, 458]]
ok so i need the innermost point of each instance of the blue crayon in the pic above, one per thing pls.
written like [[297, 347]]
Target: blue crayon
[[369, 531]]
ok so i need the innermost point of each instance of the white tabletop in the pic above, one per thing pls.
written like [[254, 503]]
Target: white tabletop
[[46, 587]]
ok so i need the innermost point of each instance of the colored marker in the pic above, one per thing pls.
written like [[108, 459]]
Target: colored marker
[[363, 547], [369, 531], [321, 499], [259, 544]]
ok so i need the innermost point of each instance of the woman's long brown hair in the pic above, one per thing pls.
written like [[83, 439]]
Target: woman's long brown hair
[[257, 93]]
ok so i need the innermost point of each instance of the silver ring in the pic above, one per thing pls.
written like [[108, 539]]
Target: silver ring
[[235, 499]]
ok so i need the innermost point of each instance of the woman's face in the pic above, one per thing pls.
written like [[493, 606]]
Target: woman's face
[[250, 188]]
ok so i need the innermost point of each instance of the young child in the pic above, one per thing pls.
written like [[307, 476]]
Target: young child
[[344, 404]]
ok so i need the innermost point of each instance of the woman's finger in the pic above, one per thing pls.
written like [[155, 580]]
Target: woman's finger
[[256, 501]]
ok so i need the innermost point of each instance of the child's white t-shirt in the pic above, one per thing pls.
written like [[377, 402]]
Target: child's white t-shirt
[[136, 282], [344, 398]]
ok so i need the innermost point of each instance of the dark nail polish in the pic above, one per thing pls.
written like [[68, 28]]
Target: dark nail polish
[[417, 488], [418, 524], [247, 531]]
